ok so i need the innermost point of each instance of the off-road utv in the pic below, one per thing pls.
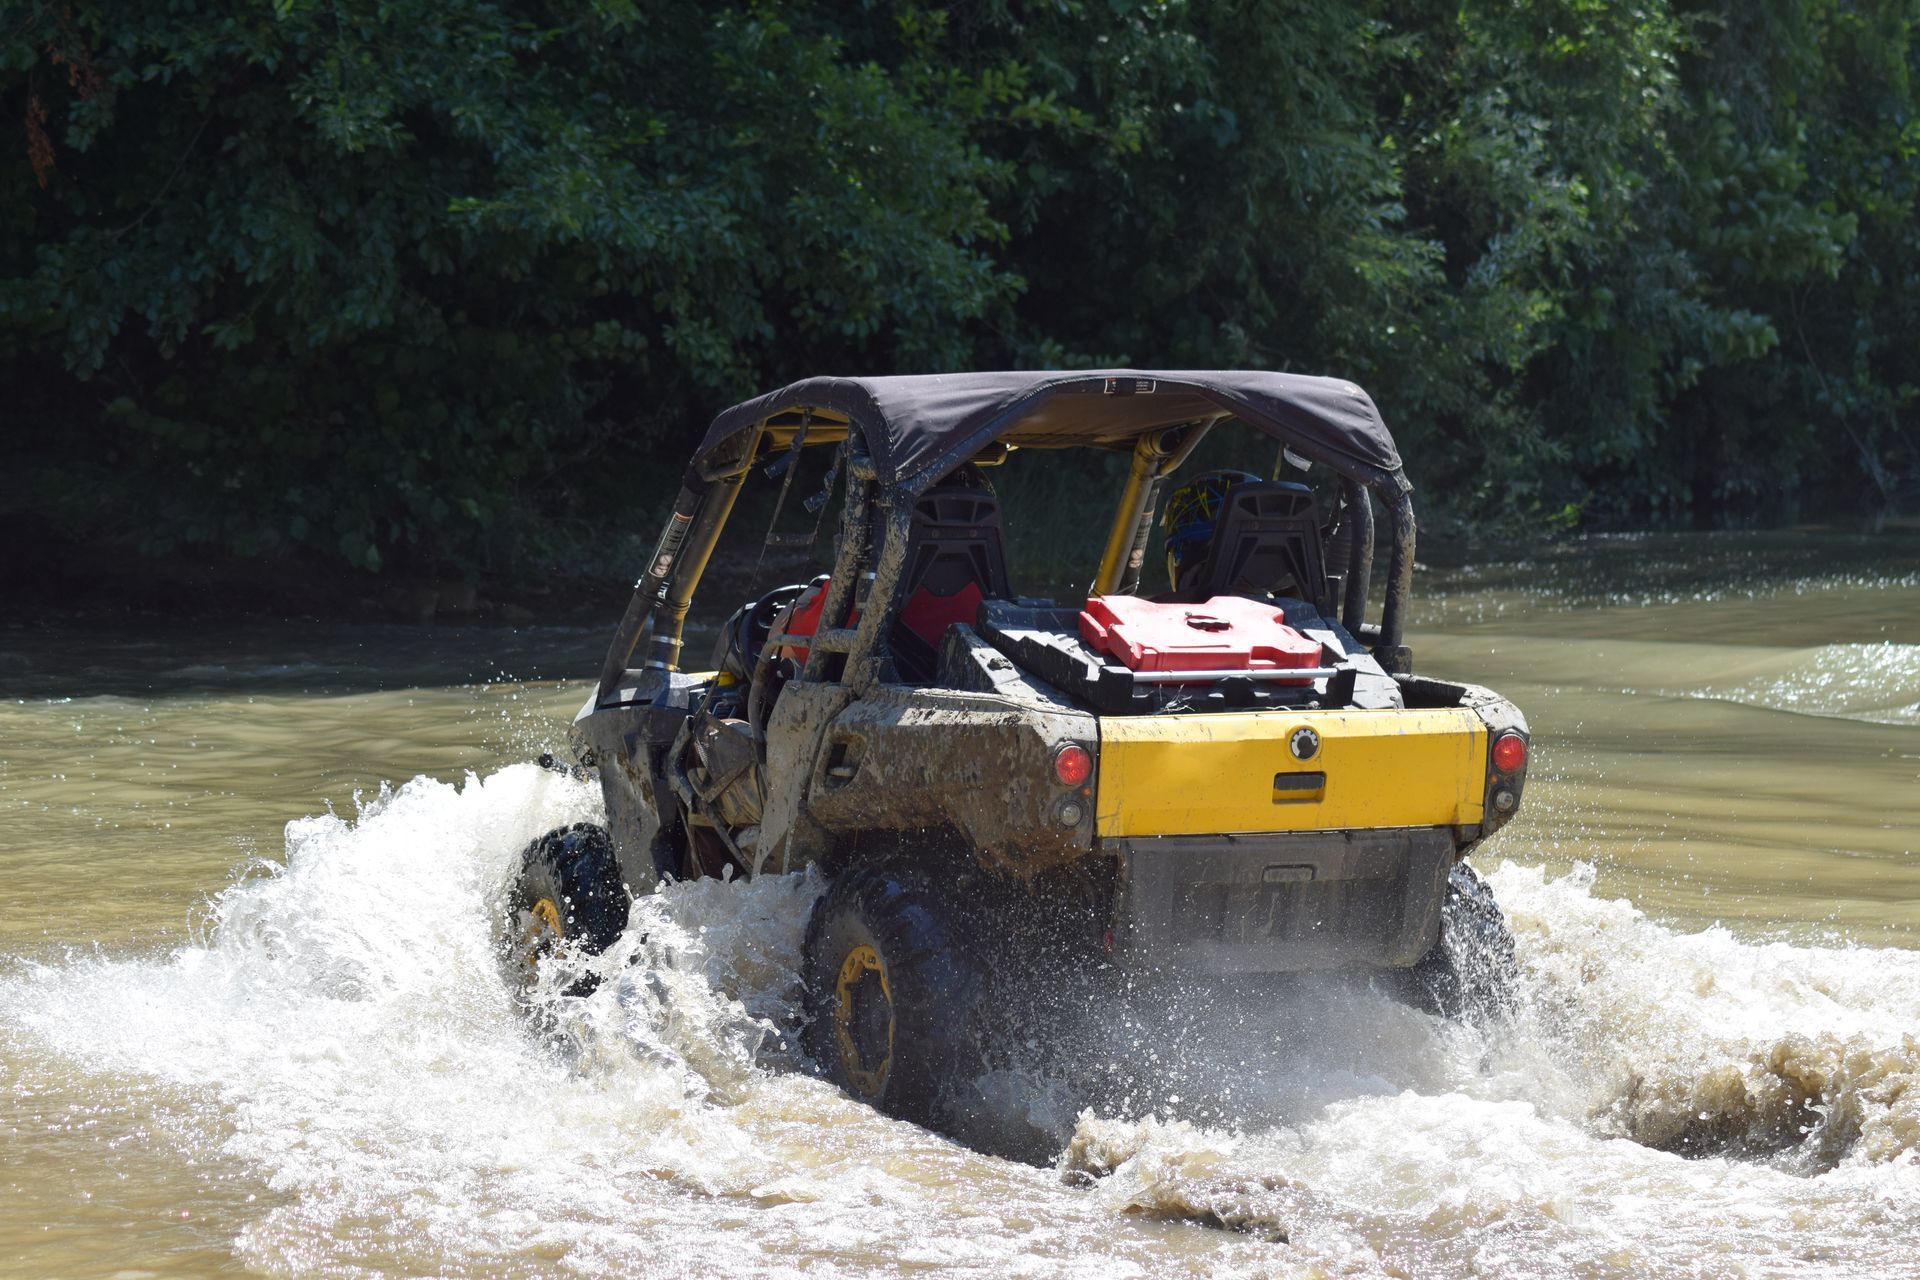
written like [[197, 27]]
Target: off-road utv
[[1239, 779]]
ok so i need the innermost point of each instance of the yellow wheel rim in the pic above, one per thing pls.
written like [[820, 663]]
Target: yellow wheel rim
[[540, 931], [862, 976]]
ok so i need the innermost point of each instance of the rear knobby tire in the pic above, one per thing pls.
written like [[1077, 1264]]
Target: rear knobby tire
[[567, 894], [892, 995], [1471, 972]]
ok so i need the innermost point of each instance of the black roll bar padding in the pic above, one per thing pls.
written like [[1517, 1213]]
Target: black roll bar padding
[[1359, 553], [1399, 572], [651, 588]]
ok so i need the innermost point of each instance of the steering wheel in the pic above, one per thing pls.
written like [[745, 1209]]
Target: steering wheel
[[747, 630]]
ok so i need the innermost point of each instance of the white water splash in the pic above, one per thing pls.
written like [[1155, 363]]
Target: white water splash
[[1790, 1075], [344, 1030]]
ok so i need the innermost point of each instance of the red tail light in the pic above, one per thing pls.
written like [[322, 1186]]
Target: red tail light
[[1072, 764], [1509, 753]]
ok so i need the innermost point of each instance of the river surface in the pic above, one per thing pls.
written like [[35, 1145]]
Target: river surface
[[251, 1018]]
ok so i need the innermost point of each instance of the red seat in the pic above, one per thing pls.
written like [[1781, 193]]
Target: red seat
[[954, 563], [925, 614]]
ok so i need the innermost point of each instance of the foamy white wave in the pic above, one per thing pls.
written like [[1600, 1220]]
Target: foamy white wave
[[705, 979], [350, 1016], [344, 1030], [1564, 1149], [1873, 682], [1701, 1043]]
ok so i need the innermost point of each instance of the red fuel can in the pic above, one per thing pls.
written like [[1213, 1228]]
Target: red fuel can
[[1226, 633]]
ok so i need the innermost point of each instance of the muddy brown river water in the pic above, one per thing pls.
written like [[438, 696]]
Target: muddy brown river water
[[251, 1021]]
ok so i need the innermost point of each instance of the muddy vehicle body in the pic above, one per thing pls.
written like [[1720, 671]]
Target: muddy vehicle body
[[1241, 781]]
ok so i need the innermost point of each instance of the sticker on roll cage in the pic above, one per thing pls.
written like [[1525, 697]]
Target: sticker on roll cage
[[669, 548]]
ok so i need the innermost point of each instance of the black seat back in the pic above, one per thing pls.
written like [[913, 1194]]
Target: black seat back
[[955, 540], [954, 544], [1266, 541]]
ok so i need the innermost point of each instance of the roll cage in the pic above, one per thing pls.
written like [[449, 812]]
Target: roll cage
[[898, 436]]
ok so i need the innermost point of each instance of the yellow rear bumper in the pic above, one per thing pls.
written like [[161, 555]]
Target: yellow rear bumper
[[1208, 774]]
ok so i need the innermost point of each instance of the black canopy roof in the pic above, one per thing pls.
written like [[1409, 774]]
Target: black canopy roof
[[920, 427]]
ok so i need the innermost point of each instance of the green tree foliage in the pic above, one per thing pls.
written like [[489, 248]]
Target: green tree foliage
[[370, 276], [399, 283]]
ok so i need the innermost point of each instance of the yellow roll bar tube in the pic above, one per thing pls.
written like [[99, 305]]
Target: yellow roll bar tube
[[1156, 456], [672, 614], [1133, 499]]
